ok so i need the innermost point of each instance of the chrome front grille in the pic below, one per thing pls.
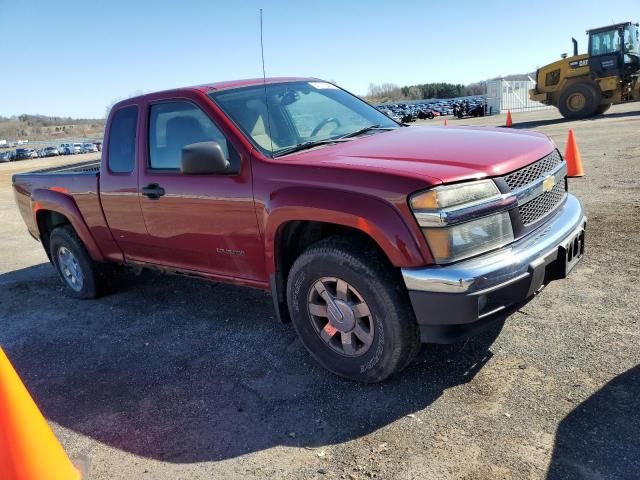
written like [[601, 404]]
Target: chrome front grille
[[528, 185], [537, 208], [526, 175]]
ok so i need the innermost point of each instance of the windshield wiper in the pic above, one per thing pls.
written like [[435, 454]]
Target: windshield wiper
[[314, 143], [306, 146], [366, 129]]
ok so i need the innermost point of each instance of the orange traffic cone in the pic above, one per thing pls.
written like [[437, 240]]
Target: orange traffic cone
[[572, 156], [445, 122], [509, 120], [28, 448]]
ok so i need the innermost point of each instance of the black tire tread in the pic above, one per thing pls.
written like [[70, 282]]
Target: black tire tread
[[370, 263], [100, 275], [593, 94], [603, 107]]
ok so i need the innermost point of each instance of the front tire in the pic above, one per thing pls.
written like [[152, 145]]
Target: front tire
[[603, 107], [83, 278], [351, 311], [580, 100]]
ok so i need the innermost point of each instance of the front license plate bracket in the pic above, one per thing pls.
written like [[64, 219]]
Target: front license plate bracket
[[571, 252]]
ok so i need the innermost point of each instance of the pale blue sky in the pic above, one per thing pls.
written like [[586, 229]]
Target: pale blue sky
[[73, 57]]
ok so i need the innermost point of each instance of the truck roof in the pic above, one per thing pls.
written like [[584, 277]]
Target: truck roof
[[610, 27], [210, 87], [249, 82]]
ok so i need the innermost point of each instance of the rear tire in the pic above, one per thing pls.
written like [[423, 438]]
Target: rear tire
[[374, 334], [603, 107], [82, 277], [579, 100]]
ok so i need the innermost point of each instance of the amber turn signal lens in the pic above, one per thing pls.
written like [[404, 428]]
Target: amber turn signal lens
[[425, 201], [439, 240]]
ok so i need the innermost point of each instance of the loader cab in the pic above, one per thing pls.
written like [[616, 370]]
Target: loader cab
[[614, 50]]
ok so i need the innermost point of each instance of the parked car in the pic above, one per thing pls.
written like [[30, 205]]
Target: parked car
[[469, 109], [98, 145], [424, 114], [436, 107], [22, 154], [66, 149], [25, 153], [5, 157], [77, 148], [50, 152], [89, 148], [371, 237]]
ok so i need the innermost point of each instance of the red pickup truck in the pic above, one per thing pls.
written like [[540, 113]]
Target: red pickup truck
[[372, 237]]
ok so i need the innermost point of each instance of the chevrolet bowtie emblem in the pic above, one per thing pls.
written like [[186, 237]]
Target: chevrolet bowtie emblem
[[548, 183]]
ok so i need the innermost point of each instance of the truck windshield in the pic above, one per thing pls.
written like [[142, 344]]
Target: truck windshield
[[298, 113]]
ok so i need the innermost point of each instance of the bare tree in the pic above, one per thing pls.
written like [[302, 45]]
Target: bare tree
[[108, 108], [384, 93], [477, 88], [414, 93]]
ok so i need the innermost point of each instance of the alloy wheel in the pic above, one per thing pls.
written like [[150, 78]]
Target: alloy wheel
[[70, 268], [340, 316]]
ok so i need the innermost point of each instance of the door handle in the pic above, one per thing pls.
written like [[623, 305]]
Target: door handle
[[153, 191]]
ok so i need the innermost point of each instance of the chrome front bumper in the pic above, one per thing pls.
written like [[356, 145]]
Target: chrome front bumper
[[483, 287]]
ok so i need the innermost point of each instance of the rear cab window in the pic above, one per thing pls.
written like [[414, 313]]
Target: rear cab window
[[122, 140]]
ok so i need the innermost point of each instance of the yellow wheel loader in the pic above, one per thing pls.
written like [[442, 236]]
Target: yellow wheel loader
[[588, 84]]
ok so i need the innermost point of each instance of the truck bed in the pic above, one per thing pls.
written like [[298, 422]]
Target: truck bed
[[90, 167], [79, 182]]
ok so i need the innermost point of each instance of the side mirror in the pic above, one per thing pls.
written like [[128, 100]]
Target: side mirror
[[203, 158]]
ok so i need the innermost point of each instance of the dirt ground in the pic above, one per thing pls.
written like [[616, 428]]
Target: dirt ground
[[172, 378]]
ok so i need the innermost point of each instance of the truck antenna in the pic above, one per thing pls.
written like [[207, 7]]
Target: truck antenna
[[264, 84]]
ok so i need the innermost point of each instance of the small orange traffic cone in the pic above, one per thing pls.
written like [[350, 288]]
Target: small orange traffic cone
[[572, 156], [28, 448], [445, 122], [509, 120]]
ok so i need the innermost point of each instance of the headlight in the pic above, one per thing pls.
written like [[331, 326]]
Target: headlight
[[454, 195], [449, 244], [460, 221]]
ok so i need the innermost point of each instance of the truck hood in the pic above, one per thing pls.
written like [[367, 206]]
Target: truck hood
[[436, 155]]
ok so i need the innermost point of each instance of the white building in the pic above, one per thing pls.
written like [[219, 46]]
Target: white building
[[503, 95]]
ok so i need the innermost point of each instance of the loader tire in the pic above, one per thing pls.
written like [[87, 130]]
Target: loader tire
[[580, 100], [603, 107]]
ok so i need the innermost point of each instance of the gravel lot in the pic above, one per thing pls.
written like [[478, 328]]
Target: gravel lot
[[172, 378]]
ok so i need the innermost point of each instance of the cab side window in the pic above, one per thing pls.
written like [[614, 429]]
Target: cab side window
[[122, 140], [172, 125]]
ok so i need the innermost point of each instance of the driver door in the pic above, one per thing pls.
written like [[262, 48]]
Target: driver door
[[202, 223]]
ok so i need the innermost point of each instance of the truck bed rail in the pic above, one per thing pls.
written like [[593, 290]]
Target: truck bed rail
[[90, 167]]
